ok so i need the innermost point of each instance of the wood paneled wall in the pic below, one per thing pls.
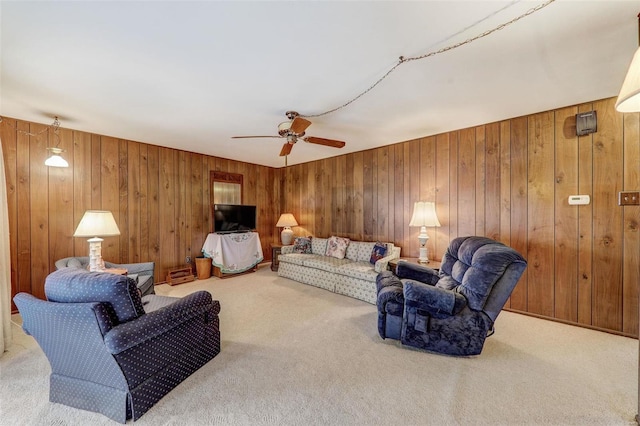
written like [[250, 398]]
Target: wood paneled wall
[[160, 198], [509, 181]]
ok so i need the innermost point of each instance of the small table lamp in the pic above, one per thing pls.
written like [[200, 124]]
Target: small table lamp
[[286, 221], [424, 214], [96, 223]]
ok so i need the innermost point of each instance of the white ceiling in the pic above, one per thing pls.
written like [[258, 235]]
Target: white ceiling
[[190, 75]]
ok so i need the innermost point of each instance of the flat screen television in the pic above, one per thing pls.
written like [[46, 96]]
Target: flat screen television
[[233, 218]]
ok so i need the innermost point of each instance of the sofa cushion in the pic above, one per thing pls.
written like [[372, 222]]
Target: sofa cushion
[[359, 251], [297, 258], [378, 252], [325, 263], [77, 285], [302, 245], [337, 247], [319, 245], [360, 270]]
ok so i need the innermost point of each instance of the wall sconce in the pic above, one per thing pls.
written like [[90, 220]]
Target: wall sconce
[[96, 223], [424, 214], [55, 160], [286, 221]]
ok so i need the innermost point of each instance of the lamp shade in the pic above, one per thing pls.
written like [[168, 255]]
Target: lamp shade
[[56, 159], [97, 223], [424, 214], [286, 219], [629, 97]]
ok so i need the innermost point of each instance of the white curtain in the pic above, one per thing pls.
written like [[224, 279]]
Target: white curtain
[[5, 262]]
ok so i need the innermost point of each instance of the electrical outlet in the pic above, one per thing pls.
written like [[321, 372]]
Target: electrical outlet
[[629, 198], [188, 259]]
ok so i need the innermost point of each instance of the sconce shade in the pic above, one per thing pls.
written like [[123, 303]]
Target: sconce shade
[[56, 160], [97, 223], [424, 214], [629, 97], [286, 220]]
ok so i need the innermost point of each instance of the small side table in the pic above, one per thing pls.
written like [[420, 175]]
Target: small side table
[[433, 264], [117, 271], [275, 252]]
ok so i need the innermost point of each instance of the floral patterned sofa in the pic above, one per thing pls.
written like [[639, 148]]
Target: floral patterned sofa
[[319, 265]]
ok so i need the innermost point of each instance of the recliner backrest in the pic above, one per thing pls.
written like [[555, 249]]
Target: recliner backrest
[[476, 266], [76, 285]]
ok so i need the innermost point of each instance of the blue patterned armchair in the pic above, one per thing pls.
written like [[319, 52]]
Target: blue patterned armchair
[[112, 351], [453, 311]]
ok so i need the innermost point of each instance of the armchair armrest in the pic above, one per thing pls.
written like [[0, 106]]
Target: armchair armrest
[[417, 272], [127, 335], [437, 302]]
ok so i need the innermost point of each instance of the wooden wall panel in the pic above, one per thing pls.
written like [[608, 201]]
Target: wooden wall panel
[[508, 180], [607, 218], [566, 216], [631, 225], [519, 205], [541, 215], [585, 225], [23, 204], [39, 208]]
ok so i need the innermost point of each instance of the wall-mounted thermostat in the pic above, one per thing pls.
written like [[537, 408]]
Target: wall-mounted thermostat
[[579, 200]]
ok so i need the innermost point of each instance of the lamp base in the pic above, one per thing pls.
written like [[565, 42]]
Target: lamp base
[[422, 239], [424, 255], [286, 236], [96, 264]]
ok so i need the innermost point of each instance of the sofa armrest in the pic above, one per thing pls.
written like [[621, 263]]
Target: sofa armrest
[[286, 249], [127, 335], [437, 302], [417, 272], [381, 264]]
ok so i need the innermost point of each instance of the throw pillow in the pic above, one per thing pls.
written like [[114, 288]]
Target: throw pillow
[[337, 247], [74, 263], [302, 245], [379, 251]]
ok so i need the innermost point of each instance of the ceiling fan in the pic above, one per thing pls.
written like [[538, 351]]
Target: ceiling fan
[[293, 130]]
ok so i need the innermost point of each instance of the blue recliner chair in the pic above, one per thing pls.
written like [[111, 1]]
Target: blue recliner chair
[[451, 311], [112, 351]]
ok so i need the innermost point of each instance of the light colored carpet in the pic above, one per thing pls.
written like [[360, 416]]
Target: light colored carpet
[[293, 354]]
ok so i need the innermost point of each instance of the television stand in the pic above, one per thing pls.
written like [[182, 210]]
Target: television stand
[[233, 254], [217, 272]]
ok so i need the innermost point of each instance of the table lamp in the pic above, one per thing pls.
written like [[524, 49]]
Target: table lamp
[[424, 214], [286, 221], [96, 224]]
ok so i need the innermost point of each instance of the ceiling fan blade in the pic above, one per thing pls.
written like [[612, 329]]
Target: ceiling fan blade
[[286, 149], [247, 137], [299, 125], [323, 141]]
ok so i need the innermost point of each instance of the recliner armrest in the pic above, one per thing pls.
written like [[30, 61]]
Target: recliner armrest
[[437, 302], [127, 335], [417, 272]]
